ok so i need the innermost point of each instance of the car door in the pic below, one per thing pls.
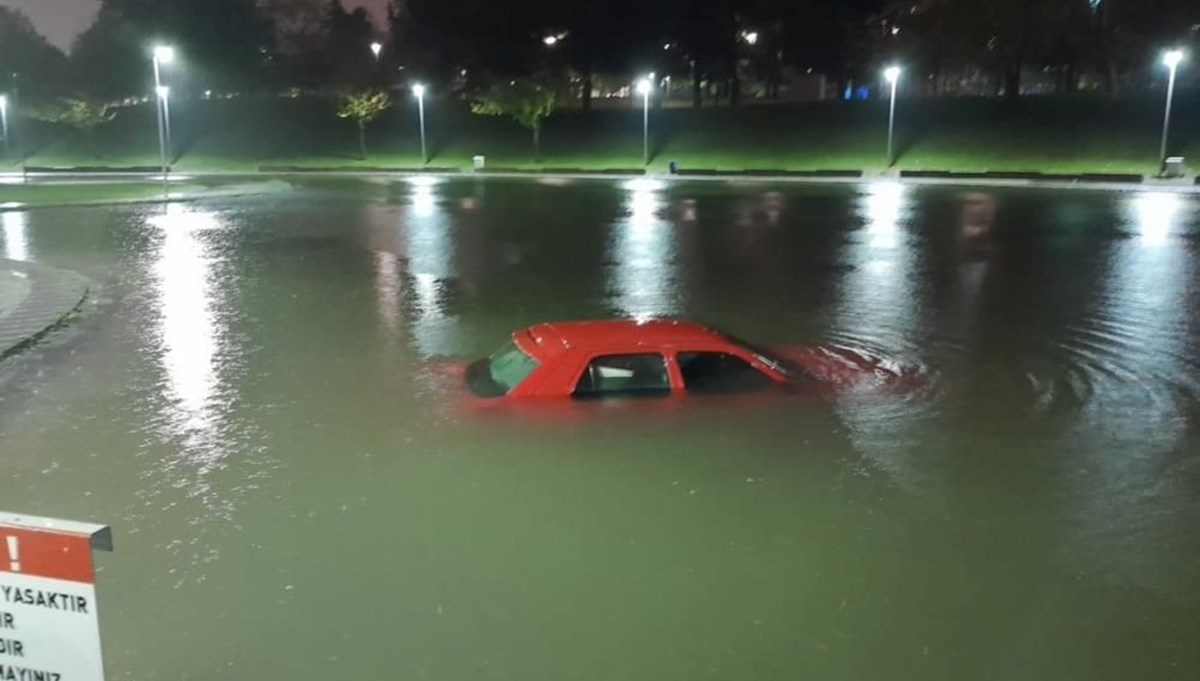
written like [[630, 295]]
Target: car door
[[636, 375], [720, 372]]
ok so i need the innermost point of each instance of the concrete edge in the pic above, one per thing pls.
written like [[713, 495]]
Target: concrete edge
[[54, 322]]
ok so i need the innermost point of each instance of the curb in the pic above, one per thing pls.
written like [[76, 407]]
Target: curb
[[56, 297]]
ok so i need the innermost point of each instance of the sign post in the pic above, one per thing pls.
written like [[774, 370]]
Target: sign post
[[49, 630]]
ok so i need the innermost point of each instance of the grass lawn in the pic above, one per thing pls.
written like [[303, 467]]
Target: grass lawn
[[1048, 134]]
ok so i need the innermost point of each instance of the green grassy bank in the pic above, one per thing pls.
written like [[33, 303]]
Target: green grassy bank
[[1062, 135]]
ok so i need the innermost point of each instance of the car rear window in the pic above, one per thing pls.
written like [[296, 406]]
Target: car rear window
[[504, 370]]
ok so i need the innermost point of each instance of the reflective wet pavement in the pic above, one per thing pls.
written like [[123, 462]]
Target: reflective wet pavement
[[259, 405]]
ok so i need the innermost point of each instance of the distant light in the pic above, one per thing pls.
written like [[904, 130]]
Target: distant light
[[418, 90], [644, 86], [666, 46], [163, 91], [550, 40], [892, 73], [751, 37], [895, 30], [376, 48], [207, 94], [1172, 58], [3, 102], [164, 54]]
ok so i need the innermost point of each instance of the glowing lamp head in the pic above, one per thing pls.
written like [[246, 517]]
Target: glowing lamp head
[[163, 91], [644, 87], [892, 74], [751, 37], [418, 90], [376, 48], [164, 54], [550, 40], [1172, 58]]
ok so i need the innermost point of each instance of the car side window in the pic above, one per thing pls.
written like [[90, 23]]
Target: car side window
[[720, 373], [624, 376]]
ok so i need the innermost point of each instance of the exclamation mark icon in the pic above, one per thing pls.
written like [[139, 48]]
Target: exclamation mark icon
[[14, 554]]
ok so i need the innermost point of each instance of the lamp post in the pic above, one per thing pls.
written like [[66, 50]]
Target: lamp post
[[162, 55], [1171, 59], [376, 49], [892, 74], [644, 87], [16, 103], [4, 122], [419, 91]]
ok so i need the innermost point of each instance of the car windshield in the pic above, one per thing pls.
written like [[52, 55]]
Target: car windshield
[[504, 370]]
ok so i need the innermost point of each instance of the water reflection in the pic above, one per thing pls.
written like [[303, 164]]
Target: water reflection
[[187, 332], [16, 238], [877, 300], [1139, 391], [877, 311], [424, 203], [429, 247], [1153, 215], [643, 273]]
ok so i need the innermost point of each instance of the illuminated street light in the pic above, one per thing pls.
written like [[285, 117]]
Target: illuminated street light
[[419, 91], [892, 74], [163, 54], [550, 40], [751, 37], [1171, 59], [644, 87], [376, 49]]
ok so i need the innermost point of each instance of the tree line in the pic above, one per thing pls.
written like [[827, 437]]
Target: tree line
[[721, 47]]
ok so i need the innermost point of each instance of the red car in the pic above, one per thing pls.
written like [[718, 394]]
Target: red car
[[656, 358]]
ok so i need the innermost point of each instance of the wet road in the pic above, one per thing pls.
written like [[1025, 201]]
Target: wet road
[[258, 404]]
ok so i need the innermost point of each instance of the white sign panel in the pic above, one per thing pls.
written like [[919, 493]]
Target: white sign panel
[[49, 629]]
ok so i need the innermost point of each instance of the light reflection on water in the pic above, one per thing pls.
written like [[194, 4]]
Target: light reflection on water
[[1134, 435], [429, 249], [16, 237], [644, 275]]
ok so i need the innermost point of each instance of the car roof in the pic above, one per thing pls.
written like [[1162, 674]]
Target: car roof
[[618, 334]]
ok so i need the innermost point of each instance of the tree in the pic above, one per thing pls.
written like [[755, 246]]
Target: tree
[[24, 51], [223, 44], [299, 35], [346, 51], [525, 101], [82, 115], [362, 108]]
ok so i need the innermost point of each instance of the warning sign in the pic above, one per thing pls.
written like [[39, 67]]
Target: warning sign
[[49, 630]]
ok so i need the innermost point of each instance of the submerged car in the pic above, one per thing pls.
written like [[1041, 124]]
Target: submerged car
[[653, 358]]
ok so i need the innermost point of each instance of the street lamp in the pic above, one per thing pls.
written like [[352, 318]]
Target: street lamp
[[162, 55], [376, 49], [419, 91], [644, 88], [892, 74], [550, 40], [751, 37], [1171, 59], [4, 122]]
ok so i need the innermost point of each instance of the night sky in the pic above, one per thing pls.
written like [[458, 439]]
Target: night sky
[[62, 20]]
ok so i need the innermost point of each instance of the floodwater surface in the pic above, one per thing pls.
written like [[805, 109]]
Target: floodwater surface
[[258, 401]]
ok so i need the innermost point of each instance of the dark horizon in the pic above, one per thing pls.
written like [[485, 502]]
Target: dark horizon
[[61, 21]]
